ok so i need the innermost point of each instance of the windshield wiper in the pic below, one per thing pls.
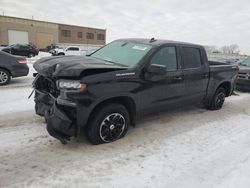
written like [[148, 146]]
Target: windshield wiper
[[111, 62]]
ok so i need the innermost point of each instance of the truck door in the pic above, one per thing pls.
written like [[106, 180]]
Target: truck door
[[196, 73], [164, 93]]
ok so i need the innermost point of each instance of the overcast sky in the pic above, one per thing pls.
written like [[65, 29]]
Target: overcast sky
[[214, 22]]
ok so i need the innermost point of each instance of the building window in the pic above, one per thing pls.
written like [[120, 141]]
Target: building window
[[79, 34], [100, 37], [90, 35], [66, 33]]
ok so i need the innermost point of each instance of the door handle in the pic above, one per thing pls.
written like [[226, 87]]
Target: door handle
[[205, 75]]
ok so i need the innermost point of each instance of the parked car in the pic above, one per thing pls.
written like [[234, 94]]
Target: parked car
[[69, 51], [243, 80], [27, 50], [51, 47], [2, 46], [55, 50], [11, 66], [123, 81]]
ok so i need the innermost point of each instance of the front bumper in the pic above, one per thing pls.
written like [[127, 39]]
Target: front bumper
[[59, 125], [59, 115]]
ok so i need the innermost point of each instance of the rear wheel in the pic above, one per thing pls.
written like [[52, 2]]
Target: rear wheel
[[218, 99], [4, 77], [108, 124]]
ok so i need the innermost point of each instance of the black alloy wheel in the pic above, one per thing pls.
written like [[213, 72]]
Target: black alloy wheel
[[218, 99], [108, 124]]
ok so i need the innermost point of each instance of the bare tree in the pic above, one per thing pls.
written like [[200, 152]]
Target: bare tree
[[234, 49], [231, 49], [211, 49]]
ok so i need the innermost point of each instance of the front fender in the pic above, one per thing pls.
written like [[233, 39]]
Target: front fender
[[85, 108]]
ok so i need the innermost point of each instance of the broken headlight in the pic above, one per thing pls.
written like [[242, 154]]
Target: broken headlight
[[71, 85]]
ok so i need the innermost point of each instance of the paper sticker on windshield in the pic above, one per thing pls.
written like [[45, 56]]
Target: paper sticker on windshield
[[143, 48]]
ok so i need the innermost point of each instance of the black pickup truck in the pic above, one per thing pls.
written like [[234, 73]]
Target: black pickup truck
[[127, 79], [243, 80]]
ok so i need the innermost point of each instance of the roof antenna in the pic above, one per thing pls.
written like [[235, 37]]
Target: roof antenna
[[152, 40]]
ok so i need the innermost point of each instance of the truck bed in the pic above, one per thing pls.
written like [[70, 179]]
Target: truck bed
[[220, 72]]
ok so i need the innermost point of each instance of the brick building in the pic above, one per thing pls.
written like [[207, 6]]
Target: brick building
[[19, 30]]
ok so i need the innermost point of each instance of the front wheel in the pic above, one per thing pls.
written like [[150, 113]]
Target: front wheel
[[108, 124], [218, 99]]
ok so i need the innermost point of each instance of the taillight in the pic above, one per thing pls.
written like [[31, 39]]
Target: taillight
[[22, 61]]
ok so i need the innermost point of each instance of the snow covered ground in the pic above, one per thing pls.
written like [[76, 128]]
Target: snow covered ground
[[189, 147]]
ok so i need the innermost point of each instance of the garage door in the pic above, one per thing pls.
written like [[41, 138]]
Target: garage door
[[43, 39], [20, 37]]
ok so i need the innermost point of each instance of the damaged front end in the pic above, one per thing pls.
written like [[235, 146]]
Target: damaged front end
[[58, 111], [61, 93]]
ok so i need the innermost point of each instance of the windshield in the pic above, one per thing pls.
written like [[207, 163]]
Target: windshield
[[125, 53], [246, 62]]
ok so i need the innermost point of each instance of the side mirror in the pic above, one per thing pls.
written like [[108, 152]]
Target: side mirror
[[157, 69], [155, 72]]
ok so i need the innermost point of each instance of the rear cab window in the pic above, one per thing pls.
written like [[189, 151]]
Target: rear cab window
[[191, 57]]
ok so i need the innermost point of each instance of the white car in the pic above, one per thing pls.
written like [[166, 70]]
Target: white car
[[70, 51]]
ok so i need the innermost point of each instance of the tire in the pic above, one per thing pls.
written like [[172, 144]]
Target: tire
[[61, 54], [4, 77], [218, 99], [31, 55], [108, 124]]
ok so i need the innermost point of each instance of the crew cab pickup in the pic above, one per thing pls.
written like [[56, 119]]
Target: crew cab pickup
[[110, 89], [243, 80]]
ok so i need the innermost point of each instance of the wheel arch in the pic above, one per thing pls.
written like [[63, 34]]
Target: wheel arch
[[227, 86], [6, 70], [126, 101]]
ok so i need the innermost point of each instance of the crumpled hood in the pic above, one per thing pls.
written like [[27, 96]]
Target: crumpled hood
[[71, 66]]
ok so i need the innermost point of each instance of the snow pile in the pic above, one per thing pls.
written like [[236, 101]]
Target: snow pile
[[14, 100]]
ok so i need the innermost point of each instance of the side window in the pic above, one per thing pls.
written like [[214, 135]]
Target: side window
[[166, 56], [73, 49], [192, 57], [16, 47], [22, 47]]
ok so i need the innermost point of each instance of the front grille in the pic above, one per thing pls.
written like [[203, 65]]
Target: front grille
[[47, 85], [242, 75]]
